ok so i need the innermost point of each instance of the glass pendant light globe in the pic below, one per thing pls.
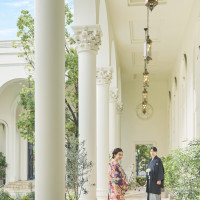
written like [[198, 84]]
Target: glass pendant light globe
[[144, 107], [151, 4]]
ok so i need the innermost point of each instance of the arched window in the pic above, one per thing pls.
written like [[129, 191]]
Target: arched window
[[185, 61], [170, 96], [176, 83]]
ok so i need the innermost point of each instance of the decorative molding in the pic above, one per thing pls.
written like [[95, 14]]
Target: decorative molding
[[136, 41], [13, 64], [113, 94], [142, 2], [10, 53], [8, 43], [120, 106], [87, 37], [104, 75]]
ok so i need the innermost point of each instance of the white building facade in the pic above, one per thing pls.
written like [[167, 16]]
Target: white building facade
[[12, 76], [110, 36]]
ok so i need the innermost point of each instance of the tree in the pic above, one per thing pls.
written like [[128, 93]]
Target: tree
[[78, 169], [26, 123], [182, 171]]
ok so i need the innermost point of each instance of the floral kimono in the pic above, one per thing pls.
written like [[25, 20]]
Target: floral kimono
[[117, 182]]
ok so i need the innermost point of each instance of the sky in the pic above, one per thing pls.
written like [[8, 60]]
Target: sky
[[9, 13]]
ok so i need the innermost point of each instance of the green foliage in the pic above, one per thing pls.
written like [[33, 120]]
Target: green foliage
[[5, 195], [137, 184], [182, 172], [3, 166], [26, 122], [25, 32], [78, 168], [133, 185], [71, 97], [143, 156], [29, 196], [141, 180]]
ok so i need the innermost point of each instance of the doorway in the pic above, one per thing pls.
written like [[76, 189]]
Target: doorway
[[142, 158]]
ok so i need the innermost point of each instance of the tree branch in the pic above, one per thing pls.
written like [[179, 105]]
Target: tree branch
[[72, 112]]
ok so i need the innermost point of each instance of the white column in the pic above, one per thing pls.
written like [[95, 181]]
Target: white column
[[104, 76], [118, 129], [88, 40], [23, 159], [112, 119], [50, 99]]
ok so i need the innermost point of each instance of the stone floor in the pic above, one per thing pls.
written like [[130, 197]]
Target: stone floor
[[23, 187], [140, 195]]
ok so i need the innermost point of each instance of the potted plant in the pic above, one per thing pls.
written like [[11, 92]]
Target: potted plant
[[3, 166]]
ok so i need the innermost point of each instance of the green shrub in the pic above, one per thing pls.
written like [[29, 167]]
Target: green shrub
[[29, 196], [141, 180], [5, 195], [133, 185], [182, 172], [3, 166]]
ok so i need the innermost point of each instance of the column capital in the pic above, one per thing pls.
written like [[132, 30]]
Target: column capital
[[113, 94], [120, 106], [104, 75], [87, 37]]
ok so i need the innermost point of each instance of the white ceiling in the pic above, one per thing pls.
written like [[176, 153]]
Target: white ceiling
[[168, 22]]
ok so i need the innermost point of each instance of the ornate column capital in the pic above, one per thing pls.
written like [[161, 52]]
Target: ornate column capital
[[104, 75], [120, 106], [87, 37], [113, 94]]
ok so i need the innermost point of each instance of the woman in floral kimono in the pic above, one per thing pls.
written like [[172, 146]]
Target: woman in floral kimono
[[117, 177]]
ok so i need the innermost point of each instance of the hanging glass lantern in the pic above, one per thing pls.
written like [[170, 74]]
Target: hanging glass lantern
[[144, 94], [146, 78], [151, 4], [144, 107], [147, 49]]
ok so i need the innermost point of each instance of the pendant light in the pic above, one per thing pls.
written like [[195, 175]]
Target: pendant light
[[147, 46], [146, 79], [151, 4]]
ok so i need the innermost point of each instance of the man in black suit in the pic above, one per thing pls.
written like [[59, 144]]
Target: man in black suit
[[155, 176]]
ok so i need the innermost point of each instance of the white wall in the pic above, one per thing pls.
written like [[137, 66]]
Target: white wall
[[137, 131], [16, 149], [185, 104]]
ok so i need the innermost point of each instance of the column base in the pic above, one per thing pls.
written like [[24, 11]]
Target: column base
[[102, 194]]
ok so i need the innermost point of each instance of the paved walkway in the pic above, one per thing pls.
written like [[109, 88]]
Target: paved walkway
[[139, 195]]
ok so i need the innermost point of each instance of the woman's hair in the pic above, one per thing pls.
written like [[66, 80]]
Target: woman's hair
[[116, 151]]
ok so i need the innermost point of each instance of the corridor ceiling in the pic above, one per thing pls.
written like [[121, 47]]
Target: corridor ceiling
[[168, 22]]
